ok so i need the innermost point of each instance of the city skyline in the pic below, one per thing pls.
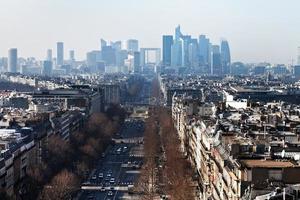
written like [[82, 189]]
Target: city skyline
[[252, 28]]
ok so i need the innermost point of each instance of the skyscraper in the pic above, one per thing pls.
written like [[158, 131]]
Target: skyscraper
[[60, 54], [72, 55], [204, 50], [49, 55], [92, 58], [193, 53], [103, 43], [132, 45], [109, 55], [47, 68], [178, 33], [117, 45], [137, 62], [297, 71], [12, 60], [225, 57], [167, 49], [177, 52], [186, 40], [216, 68]]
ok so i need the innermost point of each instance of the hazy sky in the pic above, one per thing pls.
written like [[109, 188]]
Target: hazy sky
[[257, 30]]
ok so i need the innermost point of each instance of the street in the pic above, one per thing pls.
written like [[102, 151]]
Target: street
[[118, 167]]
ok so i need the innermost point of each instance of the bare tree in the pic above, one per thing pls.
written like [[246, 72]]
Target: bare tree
[[62, 186]]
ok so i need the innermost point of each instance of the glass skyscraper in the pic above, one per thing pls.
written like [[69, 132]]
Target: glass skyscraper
[[167, 49], [204, 50], [225, 57], [216, 60], [12, 60], [60, 54]]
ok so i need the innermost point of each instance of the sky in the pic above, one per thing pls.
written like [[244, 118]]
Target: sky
[[257, 30]]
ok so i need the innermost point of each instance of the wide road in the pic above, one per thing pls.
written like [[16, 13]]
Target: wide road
[[118, 168]]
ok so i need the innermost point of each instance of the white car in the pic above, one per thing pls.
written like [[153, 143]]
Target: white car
[[110, 193]]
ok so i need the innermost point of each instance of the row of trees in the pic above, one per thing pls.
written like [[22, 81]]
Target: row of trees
[[148, 183], [177, 170], [67, 163]]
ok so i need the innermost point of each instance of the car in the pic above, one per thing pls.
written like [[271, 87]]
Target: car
[[102, 189], [112, 180], [108, 175], [100, 175], [94, 177], [91, 197], [110, 193], [106, 179]]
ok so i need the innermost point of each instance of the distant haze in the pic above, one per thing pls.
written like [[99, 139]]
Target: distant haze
[[257, 30]]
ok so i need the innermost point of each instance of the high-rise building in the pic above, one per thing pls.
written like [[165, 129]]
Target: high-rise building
[[103, 43], [225, 57], [186, 40], [132, 45], [167, 49], [72, 55], [60, 54], [49, 55], [92, 58], [204, 50], [193, 53], [178, 33], [117, 45], [121, 56], [12, 60], [216, 68], [47, 68], [297, 71], [176, 53], [137, 62], [109, 55]]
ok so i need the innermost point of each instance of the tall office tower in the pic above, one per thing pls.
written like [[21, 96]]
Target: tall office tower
[[193, 53], [109, 55], [12, 60], [92, 59], [216, 68], [225, 57], [117, 45], [72, 55], [178, 33], [297, 71], [103, 43], [132, 45], [121, 56], [60, 53], [298, 58], [167, 49], [186, 40], [49, 55], [47, 68], [176, 54], [137, 62], [204, 50]]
